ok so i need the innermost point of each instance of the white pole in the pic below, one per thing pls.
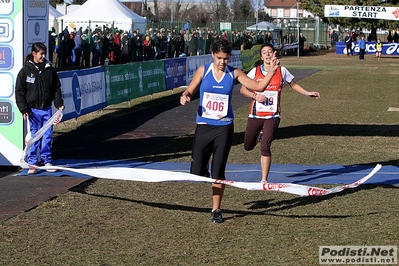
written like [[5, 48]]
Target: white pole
[[172, 15], [257, 15], [318, 30], [297, 22]]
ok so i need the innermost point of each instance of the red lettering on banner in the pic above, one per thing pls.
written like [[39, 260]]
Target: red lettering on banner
[[226, 182], [275, 186], [353, 184], [317, 191]]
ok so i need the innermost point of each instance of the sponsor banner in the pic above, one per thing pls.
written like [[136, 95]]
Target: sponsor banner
[[175, 73], [6, 57], [8, 85], [6, 7], [123, 83], [289, 46], [387, 48], [250, 57], [6, 112], [374, 255], [194, 62], [12, 21], [83, 91], [36, 31], [6, 30], [35, 23], [235, 59], [129, 81], [153, 73], [370, 12], [36, 8]]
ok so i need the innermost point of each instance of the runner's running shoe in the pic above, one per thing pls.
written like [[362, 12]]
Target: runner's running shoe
[[216, 216]]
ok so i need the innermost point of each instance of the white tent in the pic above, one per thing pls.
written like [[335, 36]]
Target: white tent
[[100, 12], [264, 25], [276, 32], [53, 14]]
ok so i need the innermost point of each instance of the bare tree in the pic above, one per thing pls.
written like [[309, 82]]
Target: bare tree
[[237, 15], [176, 9], [224, 12], [156, 9], [170, 10], [247, 10], [198, 13], [75, 2], [217, 10]]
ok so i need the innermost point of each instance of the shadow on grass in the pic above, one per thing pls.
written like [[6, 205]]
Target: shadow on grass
[[324, 172], [119, 135], [302, 201], [338, 130], [342, 130], [103, 142], [255, 208]]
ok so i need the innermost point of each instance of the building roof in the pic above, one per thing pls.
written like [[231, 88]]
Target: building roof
[[280, 3]]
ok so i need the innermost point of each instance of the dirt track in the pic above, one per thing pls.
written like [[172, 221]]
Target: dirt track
[[120, 137]]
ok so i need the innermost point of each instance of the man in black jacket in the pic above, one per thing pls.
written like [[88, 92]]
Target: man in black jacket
[[348, 44], [302, 41]]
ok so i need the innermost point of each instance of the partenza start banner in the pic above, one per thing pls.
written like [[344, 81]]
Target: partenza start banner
[[371, 12]]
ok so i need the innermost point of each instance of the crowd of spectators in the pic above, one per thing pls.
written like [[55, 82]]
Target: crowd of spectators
[[78, 48]]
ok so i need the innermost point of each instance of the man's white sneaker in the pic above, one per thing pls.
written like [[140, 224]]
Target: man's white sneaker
[[263, 182], [50, 170]]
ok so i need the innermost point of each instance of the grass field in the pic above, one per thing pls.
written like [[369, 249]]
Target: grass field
[[104, 222]]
